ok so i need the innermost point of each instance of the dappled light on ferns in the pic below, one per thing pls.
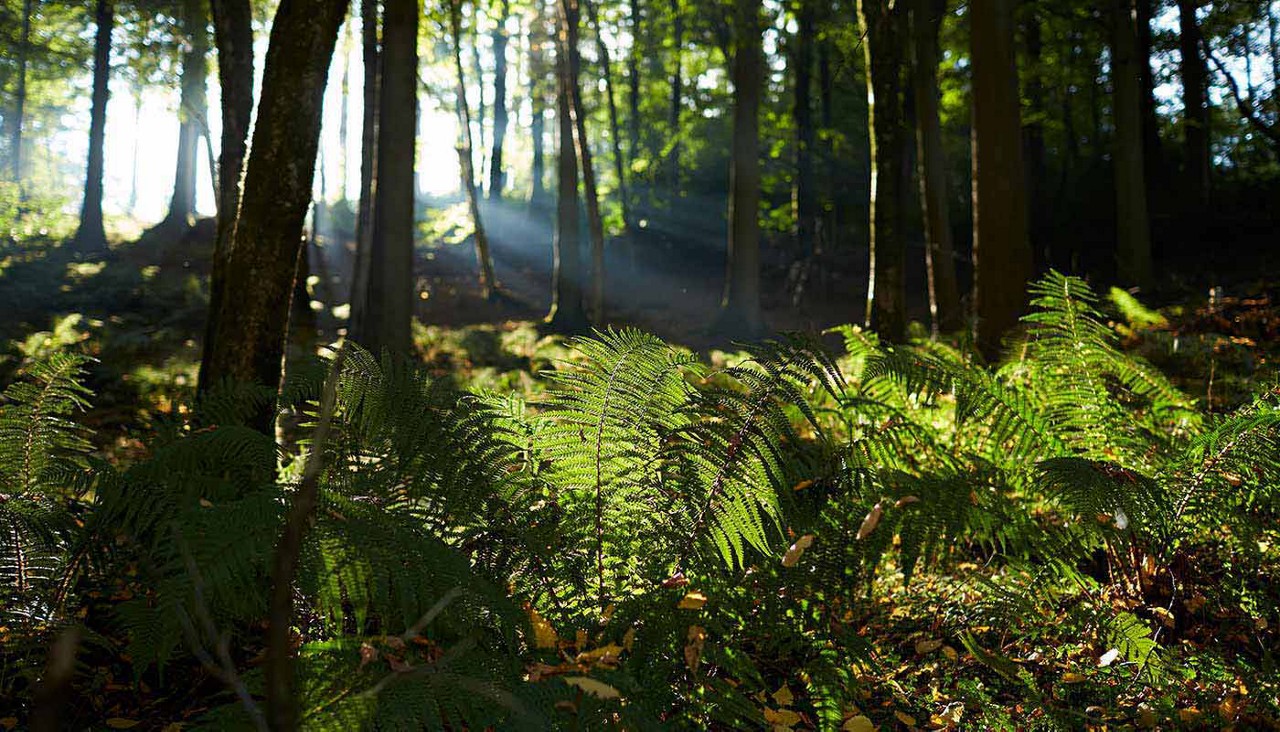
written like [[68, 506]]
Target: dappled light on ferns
[[641, 543]]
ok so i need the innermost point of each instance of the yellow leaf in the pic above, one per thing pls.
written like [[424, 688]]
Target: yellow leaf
[[591, 686], [207, 504], [629, 638], [925, 647], [870, 522], [802, 485], [697, 638], [1188, 715], [783, 696], [950, 653], [792, 557], [693, 601], [544, 636], [782, 717], [905, 500], [122, 723], [607, 653], [905, 718], [859, 723], [1071, 677]]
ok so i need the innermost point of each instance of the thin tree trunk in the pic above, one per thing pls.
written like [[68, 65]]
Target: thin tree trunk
[[677, 96], [595, 226], [91, 237], [1195, 120], [806, 211], [20, 98], [1033, 136], [740, 306], [192, 106], [538, 105], [478, 67], [388, 305], [497, 176], [372, 58], [567, 314], [344, 126], [884, 28], [483, 259], [251, 322], [1133, 250], [133, 163], [633, 84], [1001, 253], [233, 35], [1156, 167], [944, 295], [615, 132]]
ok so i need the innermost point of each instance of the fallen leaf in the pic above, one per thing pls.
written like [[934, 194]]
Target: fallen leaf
[[367, 654], [607, 654], [859, 723], [905, 500], [591, 686], [676, 580], [905, 718], [802, 485], [1071, 677], [692, 601], [697, 638], [122, 723], [792, 557], [950, 653], [925, 647], [783, 696], [870, 522], [207, 504], [1109, 658], [629, 638], [544, 636], [784, 718]]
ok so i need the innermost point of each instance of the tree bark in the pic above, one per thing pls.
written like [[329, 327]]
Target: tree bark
[[806, 210], [944, 294], [371, 58], [615, 131], [538, 106], [497, 176], [388, 303], [1033, 137], [567, 314], [884, 28], [677, 97], [1156, 167], [344, 125], [192, 107], [740, 306], [1001, 253], [251, 322], [1133, 238], [633, 84], [483, 259], [91, 237], [1195, 121], [20, 98], [233, 35]]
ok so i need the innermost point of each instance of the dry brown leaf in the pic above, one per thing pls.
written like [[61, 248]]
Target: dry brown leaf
[[591, 686], [792, 557], [925, 647], [692, 601], [870, 522], [860, 723], [697, 638]]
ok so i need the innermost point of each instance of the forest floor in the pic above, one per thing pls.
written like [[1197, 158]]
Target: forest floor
[[140, 311]]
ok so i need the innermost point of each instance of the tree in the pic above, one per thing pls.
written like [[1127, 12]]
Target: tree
[[20, 97], [567, 314], [740, 306], [944, 294], [388, 302], [371, 56], [1133, 245], [1001, 253], [582, 146], [538, 105], [91, 236], [1195, 103], [677, 96], [483, 259], [192, 108], [615, 131], [251, 321], [497, 178], [806, 138], [884, 28]]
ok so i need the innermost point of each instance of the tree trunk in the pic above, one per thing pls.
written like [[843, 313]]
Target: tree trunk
[[478, 68], [20, 98], [344, 126], [497, 178], [388, 303], [1156, 167], [1033, 138], [538, 106], [595, 226], [740, 306], [1001, 254], [567, 314], [677, 96], [615, 136], [251, 322], [633, 83], [233, 35], [944, 295], [483, 259], [1195, 121], [192, 107], [91, 237], [372, 58], [806, 210], [133, 155], [884, 28], [1133, 239]]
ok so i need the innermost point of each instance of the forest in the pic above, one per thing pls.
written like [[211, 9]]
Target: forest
[[836, 365]]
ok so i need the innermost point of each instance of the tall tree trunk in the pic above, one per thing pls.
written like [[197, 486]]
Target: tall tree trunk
[[251, 322], [20, 97], [944, 295], [615, 132], [91, 237], [538, 106], [344, 125], [1273, 45], [478, 67], [1033, 137], [192, 107], [1156, 167], [233, 35], [1001, 254], [884, 28], [372, 60], [740, 306], [567, 314], [595, 226], [388, 303], [633, 84], [802, 111], [483, 259], [133, 157], [1133, 250], [1195, 121], [497, 178], [677, 96], [831, 169]]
